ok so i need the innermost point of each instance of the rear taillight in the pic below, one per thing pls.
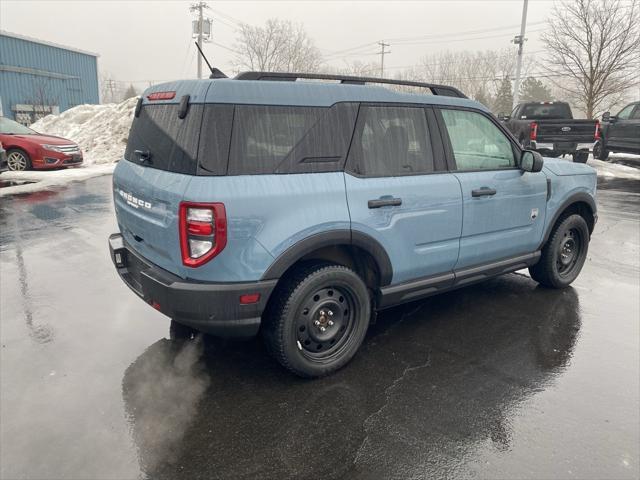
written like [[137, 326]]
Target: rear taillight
[[533, 134], [203, 232], [598, 134]]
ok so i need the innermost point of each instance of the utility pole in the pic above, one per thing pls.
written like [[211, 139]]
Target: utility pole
[[519, 40], [199, 30], [382, 52]]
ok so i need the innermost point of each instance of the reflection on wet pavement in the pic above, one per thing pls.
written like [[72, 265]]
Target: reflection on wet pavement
[[503, 379]]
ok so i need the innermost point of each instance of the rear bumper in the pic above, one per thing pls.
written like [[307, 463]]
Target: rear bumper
[[561, 147], [209, 307]]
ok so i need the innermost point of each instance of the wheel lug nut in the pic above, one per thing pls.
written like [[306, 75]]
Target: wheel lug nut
[[330, 313], [330, 323], [322, 329], [316, 323]]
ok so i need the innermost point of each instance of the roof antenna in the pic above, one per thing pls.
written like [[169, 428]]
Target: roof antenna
[[215, 73]]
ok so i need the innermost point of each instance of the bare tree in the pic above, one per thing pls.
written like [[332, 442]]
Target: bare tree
[[278, 46], [479, 75], [130, 92], [594, 51], [42, 97]]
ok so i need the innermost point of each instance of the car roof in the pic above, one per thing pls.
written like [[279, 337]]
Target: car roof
[[297, 93]]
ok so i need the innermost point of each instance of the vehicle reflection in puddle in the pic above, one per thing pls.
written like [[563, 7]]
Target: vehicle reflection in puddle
[[433, 378]]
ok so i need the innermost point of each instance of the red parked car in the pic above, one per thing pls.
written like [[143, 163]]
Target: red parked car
[[27, 149]]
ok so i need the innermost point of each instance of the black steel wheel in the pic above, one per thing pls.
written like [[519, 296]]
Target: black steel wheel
[[599, 151], [317, 319], [570, 251], [564, 253]]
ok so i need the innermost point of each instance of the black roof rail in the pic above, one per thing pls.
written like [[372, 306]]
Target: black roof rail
[[436, 89]]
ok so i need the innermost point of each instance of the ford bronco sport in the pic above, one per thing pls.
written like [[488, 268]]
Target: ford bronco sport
[[298, 208]]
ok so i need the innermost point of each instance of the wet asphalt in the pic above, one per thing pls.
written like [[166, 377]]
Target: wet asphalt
[[500, 380]]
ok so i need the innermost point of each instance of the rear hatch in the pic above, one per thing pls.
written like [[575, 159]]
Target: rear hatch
[[159, 162]]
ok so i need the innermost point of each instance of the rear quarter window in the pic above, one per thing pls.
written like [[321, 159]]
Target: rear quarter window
[[263, 136]]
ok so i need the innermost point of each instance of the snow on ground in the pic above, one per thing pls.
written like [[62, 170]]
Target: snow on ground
[[610, 169], [101, 131]]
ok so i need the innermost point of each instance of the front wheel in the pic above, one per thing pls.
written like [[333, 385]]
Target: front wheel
[[581, 156], [318, 319], [18, 161], [564, 253]]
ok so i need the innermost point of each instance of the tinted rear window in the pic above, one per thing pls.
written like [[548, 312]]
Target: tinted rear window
[[171, 142], [224, 139], [263, 136], [543, 111], [391, 141]]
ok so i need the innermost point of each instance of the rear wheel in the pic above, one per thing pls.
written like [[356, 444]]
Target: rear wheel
[[318, 319], [599, 151], [18, 161], [581, 156], [564, 253]]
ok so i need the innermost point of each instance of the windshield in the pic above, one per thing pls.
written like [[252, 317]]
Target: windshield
[[546, 110], [9, 127]]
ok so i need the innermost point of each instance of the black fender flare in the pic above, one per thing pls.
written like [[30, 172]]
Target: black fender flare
[[578, 197], [332, 237]]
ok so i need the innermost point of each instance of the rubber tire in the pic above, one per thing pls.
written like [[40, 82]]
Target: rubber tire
[[545, 271], [580, 157], [600, 152], [279, 327], [24, 154]]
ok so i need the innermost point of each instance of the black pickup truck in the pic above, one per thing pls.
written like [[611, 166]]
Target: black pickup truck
[[619, 133], [549, 128]]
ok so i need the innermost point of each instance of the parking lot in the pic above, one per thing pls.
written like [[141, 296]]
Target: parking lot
[[500, 380]]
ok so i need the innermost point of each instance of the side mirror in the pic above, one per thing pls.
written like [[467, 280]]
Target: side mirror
[[531, 161], [502, 117], [606, 116]]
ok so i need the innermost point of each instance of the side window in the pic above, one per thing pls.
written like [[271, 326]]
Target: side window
[[625, 113], [636, 113], [264, 135], [391, 141], [477, 142]]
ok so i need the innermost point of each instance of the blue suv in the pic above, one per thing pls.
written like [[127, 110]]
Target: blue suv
[[297, 207]]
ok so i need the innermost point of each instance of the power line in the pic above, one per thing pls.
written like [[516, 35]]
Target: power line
[[382, 53], [432, 36]]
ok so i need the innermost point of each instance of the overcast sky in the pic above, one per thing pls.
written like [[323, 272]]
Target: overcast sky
[[142, 41]]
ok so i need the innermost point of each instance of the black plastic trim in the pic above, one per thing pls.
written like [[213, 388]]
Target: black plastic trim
[[579, 197], [210, 307], [332, 238], [436, 89], [427, 286]]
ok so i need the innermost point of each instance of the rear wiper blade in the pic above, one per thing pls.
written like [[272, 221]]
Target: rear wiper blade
[[144, 156]]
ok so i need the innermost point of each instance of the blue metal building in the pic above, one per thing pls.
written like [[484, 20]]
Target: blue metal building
[[39, 77]]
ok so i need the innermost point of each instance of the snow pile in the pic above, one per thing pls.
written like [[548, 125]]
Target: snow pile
[[616, 170], [43, 179], [101, 131]]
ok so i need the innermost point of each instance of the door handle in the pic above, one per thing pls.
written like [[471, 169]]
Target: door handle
[[483, 192], [384, 202]]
